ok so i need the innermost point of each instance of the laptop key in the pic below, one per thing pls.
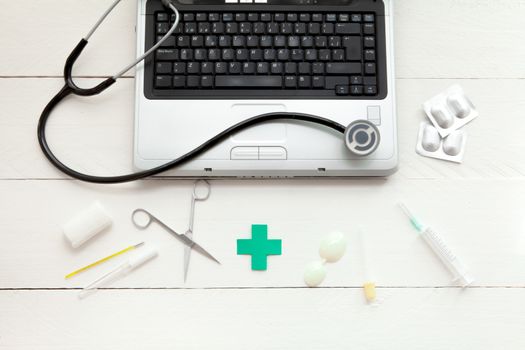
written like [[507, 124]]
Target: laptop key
[[343, 68], [163, 81], [270, 81]]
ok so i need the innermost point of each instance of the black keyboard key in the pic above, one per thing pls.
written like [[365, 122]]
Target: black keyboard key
[[321, 41], [252, 41], [163, 81], [241, 55], [327, 28], [207, 68], [338, 55], [162, 17], [318, 68], [283, 54], [197, 41], [270, 54], [186, 54], [324, 55], [201, 17], [164, 68], [353, 46], [290, 68], [213, 17], [369, 29], [248, 68], [370, 42], [207, 81], [163, 28], [167, 54], [272, 28], [169, 42], [356, 80], [214, 54], [188, 17], [221, 68], [263, 68], [286, 28], [314, 28], [256, 54], [266, 41], [318, 82], [238, 41], [304, 17], [342, 90], [292, 17], [344, 17], [297, 55], [334, 41], [190, 28], [179, 81], [240, 17], [332, 82], [307, 41], [234, 68], [227, 17], [369, 18], [204, 28], [279, 17], [343, 68], [193, 81], [259, 28], [225, 41], [356, 18], [294, 41], [300, 28], [305, 68], [179, 68], [331, 17], [211, 41], [317, 17], [276, 68], [217, 28], [290, 82], [193, 68], [305, 82], [279, 41], [253, 17], [232, 28], [183, 41], [356, 90], [348, 28], [245, 28], [369, 81], [266, 17], [370, 55], [270, 81], [310, 55], [228, 54], [370, 90], [370, 68]]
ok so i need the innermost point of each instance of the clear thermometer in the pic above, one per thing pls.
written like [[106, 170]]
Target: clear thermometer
[[140, 257], [440, 248]]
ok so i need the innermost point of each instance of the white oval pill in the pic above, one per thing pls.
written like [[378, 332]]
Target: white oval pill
[[431, 140], [333, 247], [459, 104], [453, 143], [314, 274], [442, 115]]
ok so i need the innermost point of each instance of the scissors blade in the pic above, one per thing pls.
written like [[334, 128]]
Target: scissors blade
[[203, 251], [187, 252]]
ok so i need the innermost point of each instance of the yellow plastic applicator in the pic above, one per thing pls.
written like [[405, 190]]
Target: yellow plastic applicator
[[103, 260]]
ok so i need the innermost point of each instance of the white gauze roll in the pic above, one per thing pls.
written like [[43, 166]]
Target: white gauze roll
[[86, 224]]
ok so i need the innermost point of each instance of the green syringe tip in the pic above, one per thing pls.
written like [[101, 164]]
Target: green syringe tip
[[417, 225]]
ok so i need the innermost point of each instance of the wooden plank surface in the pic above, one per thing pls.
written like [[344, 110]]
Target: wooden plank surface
[[477, 206]]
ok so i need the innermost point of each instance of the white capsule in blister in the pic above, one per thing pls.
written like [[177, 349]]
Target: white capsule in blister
[[442, 115], [459, 104], [453, 143], [431, 139]]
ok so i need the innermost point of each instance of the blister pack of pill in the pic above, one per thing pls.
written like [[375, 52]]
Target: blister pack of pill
[[431, 144], [450, 110]]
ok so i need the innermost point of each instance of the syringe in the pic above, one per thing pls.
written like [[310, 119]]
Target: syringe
[[440, 248]]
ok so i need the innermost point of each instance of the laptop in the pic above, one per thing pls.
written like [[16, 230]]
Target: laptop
[[230, 60]]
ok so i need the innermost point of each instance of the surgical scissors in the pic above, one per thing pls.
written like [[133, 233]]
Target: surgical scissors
[[195, 197], [150, 218]]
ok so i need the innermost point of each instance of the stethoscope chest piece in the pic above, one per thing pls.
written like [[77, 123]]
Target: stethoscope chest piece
[[362, 138]]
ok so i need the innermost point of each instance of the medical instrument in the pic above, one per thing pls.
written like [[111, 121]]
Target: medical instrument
[[137, 259], [430, 144], [363, 141], [369, 286], [332, 249], [440, 248], [103, 260], [149, 219], [259, 247], [195, 197], [450, 110], [86, 224]]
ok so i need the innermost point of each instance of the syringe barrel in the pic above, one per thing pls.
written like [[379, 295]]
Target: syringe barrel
[[445, 254]]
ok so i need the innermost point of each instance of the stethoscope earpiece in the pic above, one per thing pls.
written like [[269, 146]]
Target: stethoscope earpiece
[[362, 138]]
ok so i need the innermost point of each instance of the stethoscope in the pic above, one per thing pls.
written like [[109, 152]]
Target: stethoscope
[[361, 137]]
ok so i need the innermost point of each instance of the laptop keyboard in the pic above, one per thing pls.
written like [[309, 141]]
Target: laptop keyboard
[[298, 54]]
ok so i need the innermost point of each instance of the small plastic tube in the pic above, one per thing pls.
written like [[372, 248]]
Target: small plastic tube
[[441, 249], [140, 257]]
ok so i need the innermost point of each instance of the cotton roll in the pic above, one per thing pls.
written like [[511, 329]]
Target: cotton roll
[[86, 224]]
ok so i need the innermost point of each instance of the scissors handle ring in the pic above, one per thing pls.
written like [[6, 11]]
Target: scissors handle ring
[[207, 186], [149, 219]]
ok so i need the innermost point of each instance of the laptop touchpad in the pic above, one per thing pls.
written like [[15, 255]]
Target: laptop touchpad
[[260, 134]]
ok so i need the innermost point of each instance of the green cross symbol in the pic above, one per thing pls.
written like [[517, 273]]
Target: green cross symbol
[[259, 247]]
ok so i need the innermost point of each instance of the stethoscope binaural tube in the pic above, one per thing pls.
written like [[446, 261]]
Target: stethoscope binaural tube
[[70, 88]]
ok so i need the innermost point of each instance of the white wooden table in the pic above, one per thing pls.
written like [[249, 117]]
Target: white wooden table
[[478, 206]]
